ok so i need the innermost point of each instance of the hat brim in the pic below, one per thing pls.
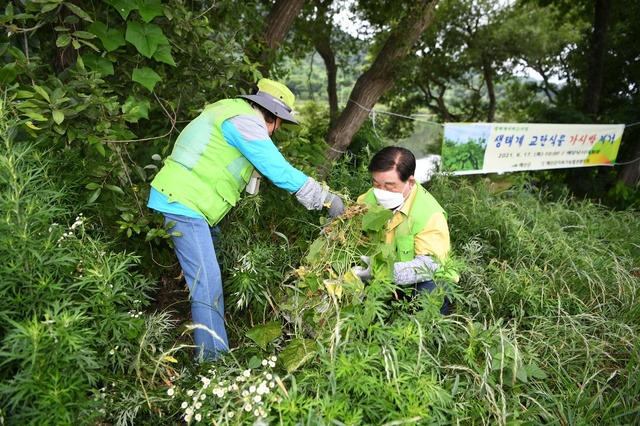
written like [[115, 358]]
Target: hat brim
[[274, 108]]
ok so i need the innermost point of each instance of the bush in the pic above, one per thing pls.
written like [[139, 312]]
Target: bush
[[71, 308]]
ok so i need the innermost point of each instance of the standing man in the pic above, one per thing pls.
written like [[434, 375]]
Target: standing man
[[418, 229], [211, 163]]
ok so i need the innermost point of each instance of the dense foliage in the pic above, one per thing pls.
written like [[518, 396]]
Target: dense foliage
[[544, 328], [94, 320]]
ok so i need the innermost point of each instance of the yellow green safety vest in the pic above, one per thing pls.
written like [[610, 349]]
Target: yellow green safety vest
[[204, 172], [424, 206]]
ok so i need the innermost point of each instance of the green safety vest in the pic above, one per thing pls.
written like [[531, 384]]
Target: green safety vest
[[204, 172], [424, 206]]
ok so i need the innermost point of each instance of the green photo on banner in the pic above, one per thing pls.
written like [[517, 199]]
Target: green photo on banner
[[470, 148]]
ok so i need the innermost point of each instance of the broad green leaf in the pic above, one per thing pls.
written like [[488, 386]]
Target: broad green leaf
[[145, 37], [263, 334], [92, 185], [315, 248], [146, 76], [58, 116], [521, 374], [115, 188], [36, 116], [63, 40], [84, 34], [134, 110], [149, 9], [111, 38], [297, 353], [8, 73], [534, 371], [94, 195], [98, 63], [78, 11], [376, 219], [91, 45], [163, 54], [124, 7]]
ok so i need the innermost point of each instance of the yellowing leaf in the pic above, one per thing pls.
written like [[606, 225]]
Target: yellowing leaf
[[169, 358]]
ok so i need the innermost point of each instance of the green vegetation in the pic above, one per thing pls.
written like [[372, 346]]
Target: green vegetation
[[94, 318], [545, 324]]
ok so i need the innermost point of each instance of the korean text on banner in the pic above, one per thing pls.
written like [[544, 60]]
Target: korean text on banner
[[507, 147]]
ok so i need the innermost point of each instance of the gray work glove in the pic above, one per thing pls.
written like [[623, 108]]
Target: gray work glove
[[336, 205], [363, 273], [314, 196]]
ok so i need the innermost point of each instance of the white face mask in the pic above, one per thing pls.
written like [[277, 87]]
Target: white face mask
[[390, 200]]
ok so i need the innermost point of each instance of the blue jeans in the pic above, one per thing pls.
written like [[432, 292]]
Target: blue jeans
[[429, 286], [197, 256]]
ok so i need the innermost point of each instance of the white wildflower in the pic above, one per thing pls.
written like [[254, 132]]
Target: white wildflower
[[170, 391]]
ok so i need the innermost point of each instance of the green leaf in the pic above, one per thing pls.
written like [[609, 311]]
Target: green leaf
[[376, 219], [263, 334], [134, 110], [8, 73], [111, 38], [297, 353], [314, 250], [94, 195], [58, 116], [534, 371], [98, 63], [149, 9], [84, 34], [115, 188], [41, 92], [81, 13], [146, 76], [92, 185], [63, 40], [521, 374], [124, 7], [163, 54], [145, 37]]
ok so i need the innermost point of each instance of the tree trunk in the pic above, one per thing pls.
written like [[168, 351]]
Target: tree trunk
[[322, 42], [379, 78], [597, 53], [328, 55], [488, 79], [278, 23]]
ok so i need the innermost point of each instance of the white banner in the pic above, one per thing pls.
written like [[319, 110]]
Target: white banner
[[509, 147]]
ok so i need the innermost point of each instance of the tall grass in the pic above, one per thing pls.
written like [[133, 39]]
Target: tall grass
[[71, 307]]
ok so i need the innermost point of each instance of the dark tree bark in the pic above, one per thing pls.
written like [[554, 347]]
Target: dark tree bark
[[278, 23], [488, 79], [379, 78], [597, 53], [322, 42]]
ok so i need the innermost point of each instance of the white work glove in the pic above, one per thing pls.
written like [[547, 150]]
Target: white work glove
[[361, 272]]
